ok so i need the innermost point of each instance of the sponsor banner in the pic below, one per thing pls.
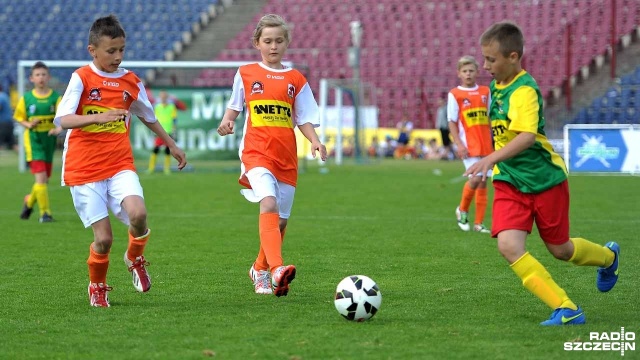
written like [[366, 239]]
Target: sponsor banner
[[602, 149]]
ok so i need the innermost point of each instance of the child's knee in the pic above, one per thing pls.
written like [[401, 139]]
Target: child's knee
[[102, 244], [138, 216]]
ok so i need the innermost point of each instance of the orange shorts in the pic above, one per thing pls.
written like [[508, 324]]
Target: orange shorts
[[515, 210]]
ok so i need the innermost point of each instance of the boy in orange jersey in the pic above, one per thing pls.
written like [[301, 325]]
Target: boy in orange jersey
[[467, 111], [35, 111], [278, 99], [97, 160], [530, 181]]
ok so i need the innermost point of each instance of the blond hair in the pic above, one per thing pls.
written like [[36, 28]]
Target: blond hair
[[271, 20], [467, 60]]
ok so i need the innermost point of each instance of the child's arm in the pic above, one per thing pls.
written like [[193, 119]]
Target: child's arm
[[176, 152], [74, 121], [521, 142], [228, 121], [308, 130]]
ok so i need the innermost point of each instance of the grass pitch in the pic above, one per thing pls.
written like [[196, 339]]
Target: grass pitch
[[446, 294]]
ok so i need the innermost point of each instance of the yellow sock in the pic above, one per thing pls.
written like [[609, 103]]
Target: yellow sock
[[31, 199], [152, 162], [587, 253], [42, 196], [537, 280], [167, 164]]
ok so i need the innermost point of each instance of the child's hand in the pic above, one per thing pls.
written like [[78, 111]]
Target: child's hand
[[317, 146], [226, 127], [179, 155], [111, 115], [55, 131], [31, 124]]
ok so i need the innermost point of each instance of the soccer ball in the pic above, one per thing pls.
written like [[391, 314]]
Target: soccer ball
[[357, 298]]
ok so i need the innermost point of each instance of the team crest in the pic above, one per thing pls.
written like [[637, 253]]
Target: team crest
[[32, 109], [466, 102], [94, 94], [257, 88], [484, 99], [125, 96], [291, 90]]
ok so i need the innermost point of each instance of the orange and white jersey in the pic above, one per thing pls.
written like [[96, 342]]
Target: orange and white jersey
[[97, 152], [469, 108], [277, 101]]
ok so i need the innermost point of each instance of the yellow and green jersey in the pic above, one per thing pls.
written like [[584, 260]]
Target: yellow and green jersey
[[32, 106], [515, 108], [166, 114]]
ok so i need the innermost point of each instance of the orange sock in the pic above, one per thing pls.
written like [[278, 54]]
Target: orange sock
[[270, 239], [261, 260], [136, 245], [467, 197], [98, 266], [481, 204]]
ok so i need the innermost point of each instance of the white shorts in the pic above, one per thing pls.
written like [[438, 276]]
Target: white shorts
[[472, 160], [264, 184], [94, 200]]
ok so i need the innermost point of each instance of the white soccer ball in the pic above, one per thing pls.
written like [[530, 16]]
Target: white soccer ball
[[357, 298]]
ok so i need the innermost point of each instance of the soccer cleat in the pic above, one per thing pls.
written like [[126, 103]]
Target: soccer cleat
[[565, 316], [46, 218], [463, 219], [138, 270], [98, 294], [26, 211], [282, 277], [261, 281], [607, 277], [481, 229]]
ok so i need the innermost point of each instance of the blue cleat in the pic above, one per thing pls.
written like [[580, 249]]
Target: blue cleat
[[607, 277], [565, 316]]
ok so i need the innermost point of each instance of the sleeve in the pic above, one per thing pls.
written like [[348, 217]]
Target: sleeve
[[71, 98], [142, 107], [21, 111], [523, 110], [452, 108], [488, 104], [306, 108], [236, 102]]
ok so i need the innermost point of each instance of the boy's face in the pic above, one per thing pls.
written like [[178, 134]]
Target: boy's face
[[503, 69], [272, 45], [39, 78], [108, 53], [467, 75]]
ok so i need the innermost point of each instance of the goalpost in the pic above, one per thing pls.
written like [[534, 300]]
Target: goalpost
[[208, 104], [355, 123]]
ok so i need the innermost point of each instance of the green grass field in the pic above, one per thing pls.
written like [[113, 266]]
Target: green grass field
[[446, 294]]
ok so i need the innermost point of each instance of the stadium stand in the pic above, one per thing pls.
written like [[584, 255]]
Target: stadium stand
[[58, 30], [408, 53], [410, 47]]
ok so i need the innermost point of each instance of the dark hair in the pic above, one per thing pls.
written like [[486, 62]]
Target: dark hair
[[39, 65], [105, 26], [508, 36]]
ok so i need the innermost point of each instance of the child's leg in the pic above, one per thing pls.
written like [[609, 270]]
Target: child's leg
[[535, 277], [138, 232], [261, 260], [270, 237], [481, 202], [98, 260], [467, 196], [152, 159], [167, 160], [42, 192]]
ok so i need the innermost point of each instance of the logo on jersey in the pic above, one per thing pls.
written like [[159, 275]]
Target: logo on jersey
[[291, 91], [466, 102], [270, 113], [484, 99], [125, 96], [94, 94], [32, 109], [257, 88]]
